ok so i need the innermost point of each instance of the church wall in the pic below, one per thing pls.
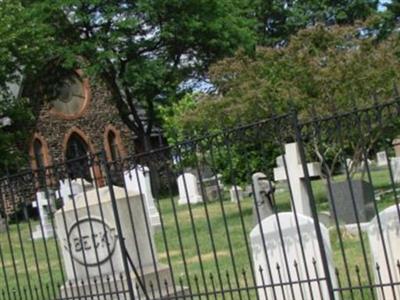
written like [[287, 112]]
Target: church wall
[[93, 122]]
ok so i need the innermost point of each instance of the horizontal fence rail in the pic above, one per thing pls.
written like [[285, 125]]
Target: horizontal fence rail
[[278, 209]]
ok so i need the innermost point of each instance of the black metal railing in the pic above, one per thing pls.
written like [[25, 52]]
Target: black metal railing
[[278, 209]]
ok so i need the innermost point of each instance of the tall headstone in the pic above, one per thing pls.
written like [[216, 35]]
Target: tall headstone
[[381, 159], [286, 257], [263, 190], [396, 146], [188, 189], [236, 193], [296, 177], [138, 180], [386, 259], [395, 166], [45, 203], [89, 242]]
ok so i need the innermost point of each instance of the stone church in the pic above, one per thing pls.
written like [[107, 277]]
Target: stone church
[[81, 121]]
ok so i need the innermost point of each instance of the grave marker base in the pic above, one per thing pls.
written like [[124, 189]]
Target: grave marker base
[[118, 288]]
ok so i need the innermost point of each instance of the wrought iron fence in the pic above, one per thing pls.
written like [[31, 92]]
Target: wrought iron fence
[[278, 209]]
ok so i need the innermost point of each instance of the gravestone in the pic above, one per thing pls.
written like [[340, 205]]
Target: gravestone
[[45, 203], [236, 193], [396, 146], [188, 189], [288, 258], [69, 189], [3, 226], [212, 186], [280, 161], [381, 159], [395, 166], [263, 193], [138, 180], [296, 177], [89, 242], [361, 193], [386, 260]]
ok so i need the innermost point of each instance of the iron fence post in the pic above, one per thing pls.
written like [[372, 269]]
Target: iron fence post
[[121, 239], [324, 259]]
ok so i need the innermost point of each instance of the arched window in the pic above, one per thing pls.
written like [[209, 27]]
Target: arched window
[[38, 154], [113, 146], [77, 158]]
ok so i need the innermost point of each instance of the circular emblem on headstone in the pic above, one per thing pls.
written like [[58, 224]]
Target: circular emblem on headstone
[[92, 242]]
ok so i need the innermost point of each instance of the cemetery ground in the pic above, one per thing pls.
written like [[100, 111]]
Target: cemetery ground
[[185, 248]]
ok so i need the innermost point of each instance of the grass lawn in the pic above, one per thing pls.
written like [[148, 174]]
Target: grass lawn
[[200, 249]]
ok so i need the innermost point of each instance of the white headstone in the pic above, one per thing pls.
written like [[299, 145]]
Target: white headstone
[[286, 261], [279, 161], [296, 177], [69, 189], [395, 166], [89, 241], [188, 189], [381, 159], [138, 180], [45, 204], [386, 260], [263, 191], [236, 193]]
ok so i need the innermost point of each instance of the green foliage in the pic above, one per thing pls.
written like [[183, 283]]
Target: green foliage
[[323, 71], [278, 20]]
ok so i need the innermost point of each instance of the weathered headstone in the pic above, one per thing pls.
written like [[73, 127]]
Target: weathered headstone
[[286, 257], [236, 193], [396, 146], [212, 186], [386, 261], [361, 195], [69, 189], [395, 166], [89, 240], [263, 192], [296, 177], [45, 203], [381, 159], [138, 180], [188, 189]]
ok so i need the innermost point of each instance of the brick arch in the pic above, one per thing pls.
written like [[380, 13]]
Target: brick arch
[[120, 145], [92, 150], [45, 148]]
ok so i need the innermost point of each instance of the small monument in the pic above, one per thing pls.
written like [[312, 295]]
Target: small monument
[[91, 249], [138, 180], [286, 257], [236, 193], [296, 177], [386, 259], [188, 189], [45, 203], [263, 191], [381, 159]]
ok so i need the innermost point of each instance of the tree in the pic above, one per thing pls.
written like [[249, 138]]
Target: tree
[[23, 49], [145, 52], [278, 20], [323, 71]]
